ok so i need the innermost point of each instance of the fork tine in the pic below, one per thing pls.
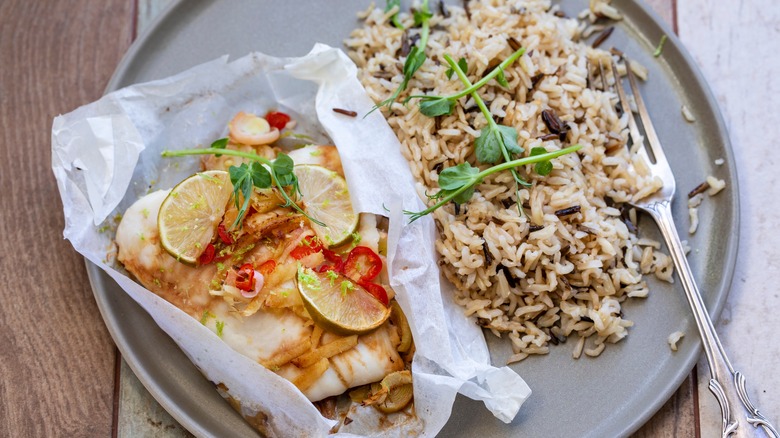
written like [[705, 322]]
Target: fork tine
[[652, 137], [636, 137]]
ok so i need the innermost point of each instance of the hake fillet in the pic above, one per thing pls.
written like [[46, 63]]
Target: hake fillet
[[272, 337]]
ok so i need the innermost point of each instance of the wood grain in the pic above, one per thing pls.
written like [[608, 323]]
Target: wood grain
[[57, 367]]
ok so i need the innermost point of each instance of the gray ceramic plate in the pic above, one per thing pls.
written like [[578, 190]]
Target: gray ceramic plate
[[609, 396]]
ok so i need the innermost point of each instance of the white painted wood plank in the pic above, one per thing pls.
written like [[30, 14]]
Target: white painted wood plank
[[139, 413], [736, 44]]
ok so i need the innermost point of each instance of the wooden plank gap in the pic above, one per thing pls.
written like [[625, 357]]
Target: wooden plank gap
[[134, 34], [117, 384], [696, 417]]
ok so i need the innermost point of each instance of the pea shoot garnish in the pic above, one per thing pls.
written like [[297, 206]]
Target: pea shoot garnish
[[416, 56], [457, 183], [495, 143], [260, 172]]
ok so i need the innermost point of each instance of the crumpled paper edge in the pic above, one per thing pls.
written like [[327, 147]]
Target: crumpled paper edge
[[437, 378]]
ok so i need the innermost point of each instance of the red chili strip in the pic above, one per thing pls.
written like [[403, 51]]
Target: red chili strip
[[377, 290], [208, 255], [277, 119]]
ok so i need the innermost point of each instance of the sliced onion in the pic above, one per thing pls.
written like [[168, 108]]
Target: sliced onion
[[252, 130], [259, 282], [399, 391]]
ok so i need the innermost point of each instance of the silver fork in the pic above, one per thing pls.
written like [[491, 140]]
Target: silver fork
[[726, 384]]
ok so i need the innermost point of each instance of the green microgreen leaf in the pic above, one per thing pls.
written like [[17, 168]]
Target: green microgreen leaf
[[422, 15], [283, 165], [260, 176], [488, 145], [219, 144], [509, 139], [437, 107], [241, 177], [414, 61], [501, 79], [543, 168], [394, 19], [454, 177], [464, 196], [462, 63]]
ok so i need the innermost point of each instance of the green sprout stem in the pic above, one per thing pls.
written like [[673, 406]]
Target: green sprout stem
[[424, 34], [485, 112], [251, 156], [477, 85], [476, 178]]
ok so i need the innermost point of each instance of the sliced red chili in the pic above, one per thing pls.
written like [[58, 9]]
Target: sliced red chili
[[308, 246], [224, 236], [337, 262], [326, 268], [267, 267], [377, 290], [277, 119], [246, 277], [363, 264], [208, 255]]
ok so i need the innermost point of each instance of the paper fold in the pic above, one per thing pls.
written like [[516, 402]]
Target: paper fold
[[106, 155]]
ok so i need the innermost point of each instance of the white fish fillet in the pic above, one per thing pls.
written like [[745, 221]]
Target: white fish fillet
[[261, 336]]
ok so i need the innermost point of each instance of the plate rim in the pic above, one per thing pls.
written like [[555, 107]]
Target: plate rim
[[685, 62]]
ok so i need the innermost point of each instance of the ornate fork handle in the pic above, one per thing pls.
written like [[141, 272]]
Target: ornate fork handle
[[726, 384]]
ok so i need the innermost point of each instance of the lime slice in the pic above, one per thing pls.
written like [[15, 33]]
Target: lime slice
[[338, 304], [326, 198], [189, 215]]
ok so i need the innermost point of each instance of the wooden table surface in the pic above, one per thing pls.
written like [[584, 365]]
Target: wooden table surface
[[60, 373]]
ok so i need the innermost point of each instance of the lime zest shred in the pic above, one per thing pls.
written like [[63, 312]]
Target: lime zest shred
[[210, 178], [220, 327], [316, 153], [145, 212], [332, 276], [241, 251], [205, 316], [660, 46], [346, 286], [356, 238], [307, 278]]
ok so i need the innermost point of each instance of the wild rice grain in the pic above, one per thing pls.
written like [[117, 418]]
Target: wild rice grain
[[555, 273], [345, 112]]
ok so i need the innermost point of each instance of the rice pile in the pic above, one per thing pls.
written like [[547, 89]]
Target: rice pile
[[536, 277]]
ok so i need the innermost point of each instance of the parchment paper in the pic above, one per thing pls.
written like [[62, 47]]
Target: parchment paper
[[105, 155]]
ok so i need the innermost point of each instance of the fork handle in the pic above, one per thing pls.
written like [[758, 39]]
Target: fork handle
[[727, 385]]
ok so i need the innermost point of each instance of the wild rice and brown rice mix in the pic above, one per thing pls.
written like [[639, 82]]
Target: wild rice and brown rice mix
[[539, 277]]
